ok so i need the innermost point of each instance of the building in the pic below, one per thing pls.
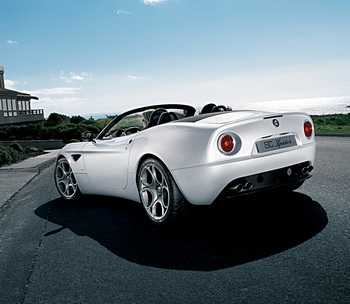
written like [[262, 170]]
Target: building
[[15, 107]]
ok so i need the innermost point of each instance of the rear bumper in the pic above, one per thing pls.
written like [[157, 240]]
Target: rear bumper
[[282, 177], [201, 185]]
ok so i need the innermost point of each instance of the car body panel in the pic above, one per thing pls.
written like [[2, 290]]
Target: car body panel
[[112, 171]]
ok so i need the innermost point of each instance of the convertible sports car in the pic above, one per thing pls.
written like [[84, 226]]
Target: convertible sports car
[[165, 156]]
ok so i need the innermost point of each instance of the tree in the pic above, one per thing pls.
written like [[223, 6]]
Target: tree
[[56, 119], [77, 119]]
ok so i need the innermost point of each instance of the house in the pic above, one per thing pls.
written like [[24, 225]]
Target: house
[[15, 107]]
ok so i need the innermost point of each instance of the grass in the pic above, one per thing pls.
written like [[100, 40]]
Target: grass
[[336, 124]]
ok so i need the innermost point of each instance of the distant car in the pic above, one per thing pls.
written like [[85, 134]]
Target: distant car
[[165, 156]]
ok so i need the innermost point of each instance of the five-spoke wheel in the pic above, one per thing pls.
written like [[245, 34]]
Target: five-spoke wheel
[[159, 194], [65, 180]]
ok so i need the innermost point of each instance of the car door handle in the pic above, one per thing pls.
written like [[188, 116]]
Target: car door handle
[[129, 141]]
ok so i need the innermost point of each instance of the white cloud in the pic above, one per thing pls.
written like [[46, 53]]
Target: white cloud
[[55, 91], [11, 42], [73, 76], [133, 77], [10, 84], [152, 1], [68, 105], [123, 12]]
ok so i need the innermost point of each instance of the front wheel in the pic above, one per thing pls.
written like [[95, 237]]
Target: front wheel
[[159, 194], [65, 181]]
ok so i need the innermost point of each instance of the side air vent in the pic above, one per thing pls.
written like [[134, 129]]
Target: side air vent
[[76, 157]]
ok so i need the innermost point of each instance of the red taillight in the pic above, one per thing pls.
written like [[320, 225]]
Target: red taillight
[[307, 128], [226, 143]]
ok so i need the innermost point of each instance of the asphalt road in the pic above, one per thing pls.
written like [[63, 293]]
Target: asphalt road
[[283, 248]]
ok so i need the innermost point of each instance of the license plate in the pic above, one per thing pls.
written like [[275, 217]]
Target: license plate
[[277, 143]]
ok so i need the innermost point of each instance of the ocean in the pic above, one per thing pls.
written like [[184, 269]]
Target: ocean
[[311, 106]]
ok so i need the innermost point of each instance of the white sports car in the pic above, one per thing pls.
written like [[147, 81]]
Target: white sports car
[[165, 156]]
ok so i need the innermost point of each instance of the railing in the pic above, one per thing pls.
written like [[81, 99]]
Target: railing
[[15, 113]]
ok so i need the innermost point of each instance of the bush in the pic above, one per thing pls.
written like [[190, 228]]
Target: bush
[[3, 135], [8, 156], [68, 133], [77, 119], [17, 147], [56, 119], [93, 129]]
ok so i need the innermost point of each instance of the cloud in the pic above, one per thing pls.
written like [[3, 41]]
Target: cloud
[[72, 77], [10, 84], [133, 77], [11, 42], [123, 12], [68, 105], [56, 91], [152, 1]]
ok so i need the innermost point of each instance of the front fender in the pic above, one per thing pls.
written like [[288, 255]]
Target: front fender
[[73, 153]]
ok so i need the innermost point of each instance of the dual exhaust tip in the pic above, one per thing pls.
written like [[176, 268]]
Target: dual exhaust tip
[[307, 169], [246, 185]]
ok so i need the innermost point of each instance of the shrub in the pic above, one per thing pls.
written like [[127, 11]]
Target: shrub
[[3, 135], [68, 133], [77, 119], [94, 129], [17, 147], [8, 156], [56, 119]]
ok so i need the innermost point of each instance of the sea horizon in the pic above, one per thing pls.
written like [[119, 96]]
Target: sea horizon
[[311, 106]]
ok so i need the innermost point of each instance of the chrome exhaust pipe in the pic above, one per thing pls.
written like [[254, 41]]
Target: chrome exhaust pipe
[[248, 185], [311, 168], [237, 188], [305, 170]]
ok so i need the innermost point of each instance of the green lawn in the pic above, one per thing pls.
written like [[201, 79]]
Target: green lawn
[[337, 124]]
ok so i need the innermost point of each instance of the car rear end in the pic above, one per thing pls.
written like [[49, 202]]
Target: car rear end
[[249, 152]]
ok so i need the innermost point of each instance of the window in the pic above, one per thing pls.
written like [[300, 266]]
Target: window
[[9, 104], [14, 105], [4, 104]]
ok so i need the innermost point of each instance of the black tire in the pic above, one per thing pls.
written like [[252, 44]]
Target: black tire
[[160, 197], [65, 180]]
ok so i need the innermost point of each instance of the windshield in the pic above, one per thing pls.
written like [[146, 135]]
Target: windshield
[[140, 119]]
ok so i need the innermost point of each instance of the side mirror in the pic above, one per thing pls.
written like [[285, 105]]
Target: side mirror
[[87, 136]]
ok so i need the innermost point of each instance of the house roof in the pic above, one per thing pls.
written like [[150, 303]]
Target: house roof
[[6, 93]]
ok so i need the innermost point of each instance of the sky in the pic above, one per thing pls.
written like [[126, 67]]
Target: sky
[[106, 56]]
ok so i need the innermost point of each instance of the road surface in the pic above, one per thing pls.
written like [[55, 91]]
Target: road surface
[[283, 248]]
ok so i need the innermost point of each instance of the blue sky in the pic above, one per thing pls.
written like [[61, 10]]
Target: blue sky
[[106, 56]]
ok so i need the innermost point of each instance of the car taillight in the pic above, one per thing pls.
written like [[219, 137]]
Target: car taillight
[[307, 129], [226, 143]]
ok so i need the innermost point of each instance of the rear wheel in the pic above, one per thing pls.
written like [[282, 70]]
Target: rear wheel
[[159, 194], [65, 181]]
